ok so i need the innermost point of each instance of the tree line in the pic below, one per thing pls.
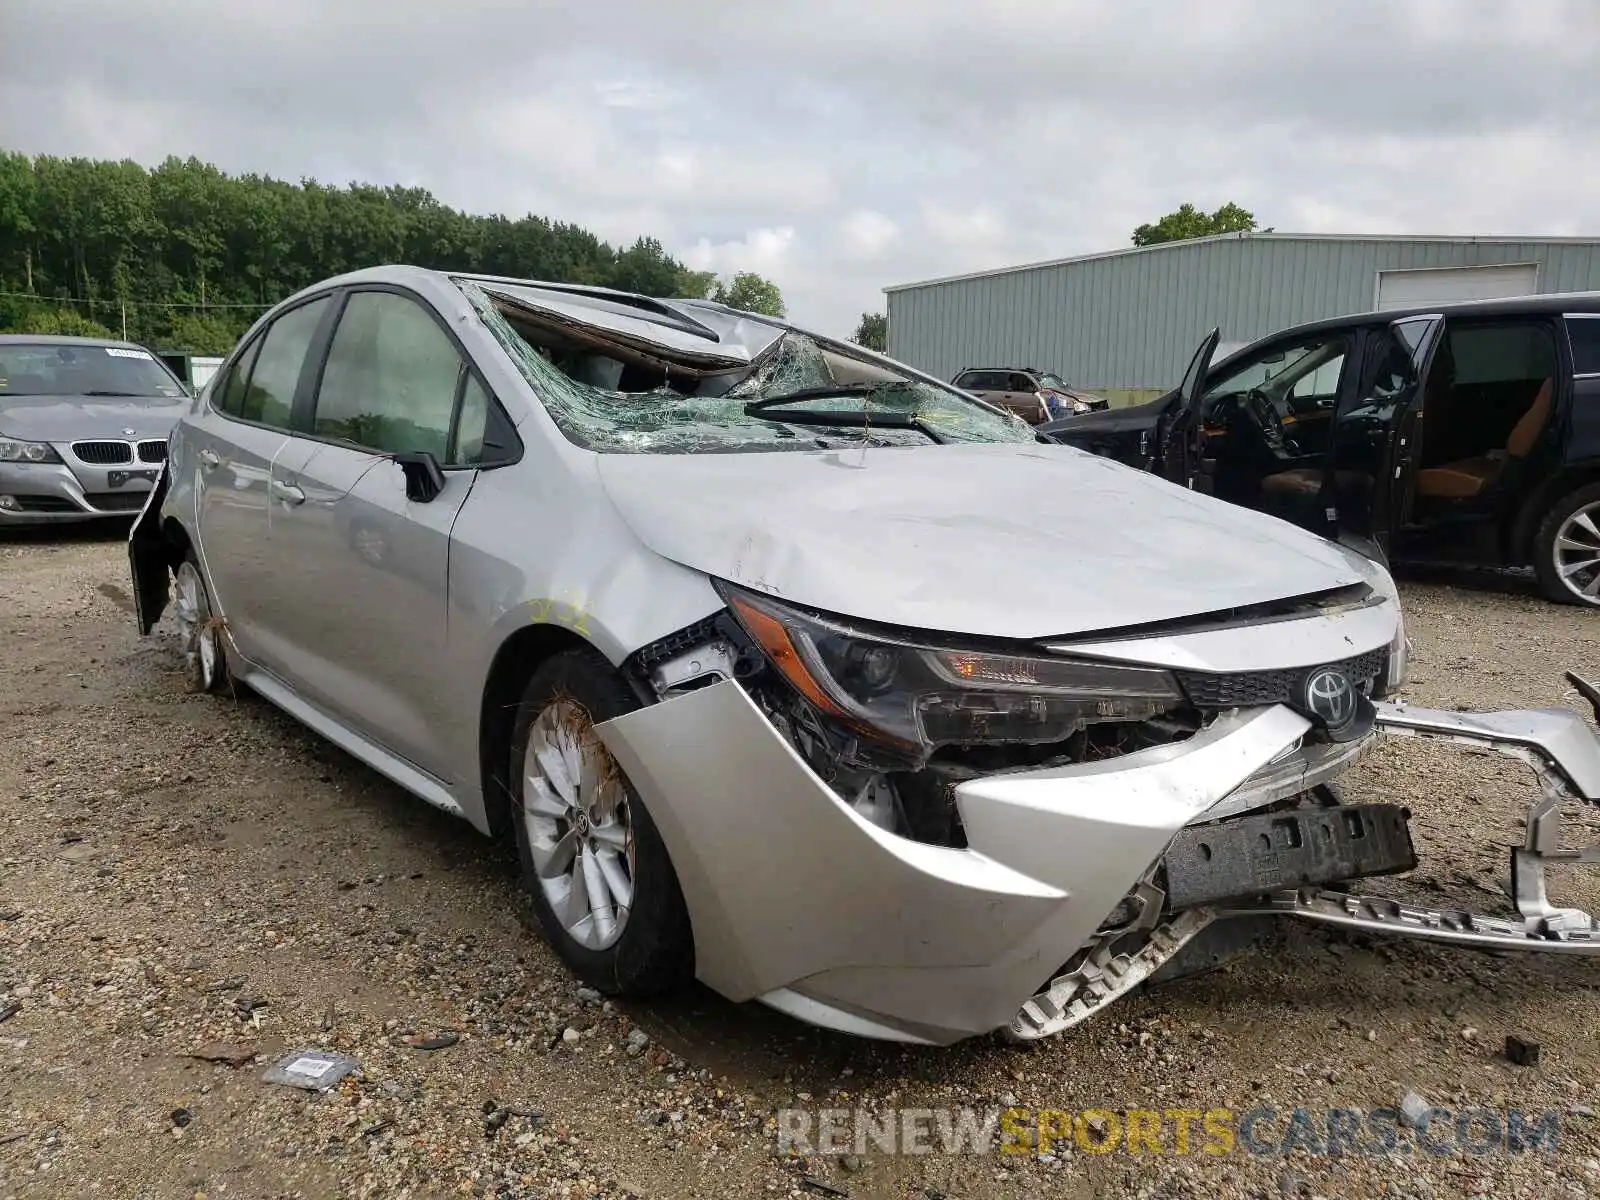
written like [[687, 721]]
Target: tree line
[[184, 256]]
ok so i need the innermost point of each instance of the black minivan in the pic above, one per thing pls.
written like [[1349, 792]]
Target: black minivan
[[1464, 434]]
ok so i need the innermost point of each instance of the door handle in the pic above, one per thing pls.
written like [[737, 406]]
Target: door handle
[[287, 492], [209, 460]]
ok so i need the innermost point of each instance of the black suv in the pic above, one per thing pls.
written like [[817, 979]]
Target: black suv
[[1465, 434]]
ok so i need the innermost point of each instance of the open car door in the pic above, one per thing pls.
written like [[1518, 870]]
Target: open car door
[[1181, 428], [1377, 438]]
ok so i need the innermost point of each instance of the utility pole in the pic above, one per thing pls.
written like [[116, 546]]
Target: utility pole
[[124, 305]]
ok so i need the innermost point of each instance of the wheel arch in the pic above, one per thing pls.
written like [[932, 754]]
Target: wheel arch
[[177, 541], [1519, 547], [514, 663]]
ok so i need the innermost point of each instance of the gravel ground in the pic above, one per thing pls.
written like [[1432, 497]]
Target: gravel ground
[[178, 871]]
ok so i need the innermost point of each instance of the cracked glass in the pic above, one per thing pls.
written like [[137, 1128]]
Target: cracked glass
[[706, 412]]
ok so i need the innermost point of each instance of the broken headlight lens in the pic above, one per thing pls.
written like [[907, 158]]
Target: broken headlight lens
[[926, 696]]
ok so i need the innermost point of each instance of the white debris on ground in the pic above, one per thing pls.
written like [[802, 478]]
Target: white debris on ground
[[193, 889]]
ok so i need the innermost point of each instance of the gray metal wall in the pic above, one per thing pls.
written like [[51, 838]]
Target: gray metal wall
[[1131, 321]]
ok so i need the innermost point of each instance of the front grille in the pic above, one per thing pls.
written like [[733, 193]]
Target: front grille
[[102, 453], [152, 452], [1249, 688], [117, 501]]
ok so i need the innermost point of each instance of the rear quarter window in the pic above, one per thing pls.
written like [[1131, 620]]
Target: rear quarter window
[[1584, 334]]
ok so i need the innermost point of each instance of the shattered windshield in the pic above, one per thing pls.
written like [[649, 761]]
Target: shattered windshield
[[798, 393]]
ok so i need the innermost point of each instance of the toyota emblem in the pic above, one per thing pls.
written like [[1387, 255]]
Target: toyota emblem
[[1331, 696]]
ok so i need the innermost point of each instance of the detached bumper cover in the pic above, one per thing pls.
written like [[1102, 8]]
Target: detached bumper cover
[[799, 902], [1565, 756]]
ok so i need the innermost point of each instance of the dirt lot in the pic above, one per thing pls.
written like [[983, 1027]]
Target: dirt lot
[[178, 870]]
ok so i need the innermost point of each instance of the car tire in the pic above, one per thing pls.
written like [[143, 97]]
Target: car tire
[[199, 633], [1559, 546], [571, 797]]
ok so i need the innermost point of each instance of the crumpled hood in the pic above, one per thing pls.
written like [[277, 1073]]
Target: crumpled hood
[[73, 418], [1015, 541]]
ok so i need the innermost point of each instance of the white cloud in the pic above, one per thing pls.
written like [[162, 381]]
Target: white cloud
[[839, 147], [868, 234], [764, 251]]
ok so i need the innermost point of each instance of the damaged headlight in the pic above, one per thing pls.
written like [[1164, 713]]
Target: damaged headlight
[[922, 695]]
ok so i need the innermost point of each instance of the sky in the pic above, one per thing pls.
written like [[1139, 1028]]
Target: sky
[[841, 147]]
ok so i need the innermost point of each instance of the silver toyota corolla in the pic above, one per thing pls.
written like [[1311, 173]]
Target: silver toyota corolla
[[83, 427], [784, 663]]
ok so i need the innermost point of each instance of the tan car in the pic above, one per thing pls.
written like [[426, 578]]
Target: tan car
[[1035, 396]]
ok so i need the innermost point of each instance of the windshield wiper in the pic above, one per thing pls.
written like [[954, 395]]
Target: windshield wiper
[[860, 419], [108, 392]]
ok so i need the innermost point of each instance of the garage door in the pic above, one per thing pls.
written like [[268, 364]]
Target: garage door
[[1452, 285]]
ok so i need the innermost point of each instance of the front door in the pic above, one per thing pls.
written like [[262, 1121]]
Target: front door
[[1377, 436], [1182, 433], [372, 566]]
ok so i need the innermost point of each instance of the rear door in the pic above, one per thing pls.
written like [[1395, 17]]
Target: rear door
[[236, 441], [1181, 432], [372, 565]]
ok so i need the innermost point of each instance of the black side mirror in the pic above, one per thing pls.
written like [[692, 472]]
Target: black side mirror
[[424, 477]]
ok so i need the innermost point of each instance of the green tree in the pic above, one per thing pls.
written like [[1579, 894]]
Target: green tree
[[62, 322], [873, 332], [196, 334], [751, 292], [695, 285], [645, 267], [1189, 222], [18, 204], [190, 255]]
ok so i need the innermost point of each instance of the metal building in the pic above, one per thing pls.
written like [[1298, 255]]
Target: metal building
[[1124, 323]]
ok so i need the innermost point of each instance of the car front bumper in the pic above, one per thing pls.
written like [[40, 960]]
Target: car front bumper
[[57, 493], [798, 901]]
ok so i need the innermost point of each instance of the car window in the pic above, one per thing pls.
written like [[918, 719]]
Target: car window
[[1500, 353], [84, 369], [1021, 383], [1584, 333], [1310, 368], [391, 378], [978, 381], [473, 424], [228, 396], [269, 394], [1321, 383]]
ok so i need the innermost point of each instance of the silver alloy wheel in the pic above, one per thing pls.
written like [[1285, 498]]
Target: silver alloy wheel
[[580, 831], [197, 636], [1577, 553]]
